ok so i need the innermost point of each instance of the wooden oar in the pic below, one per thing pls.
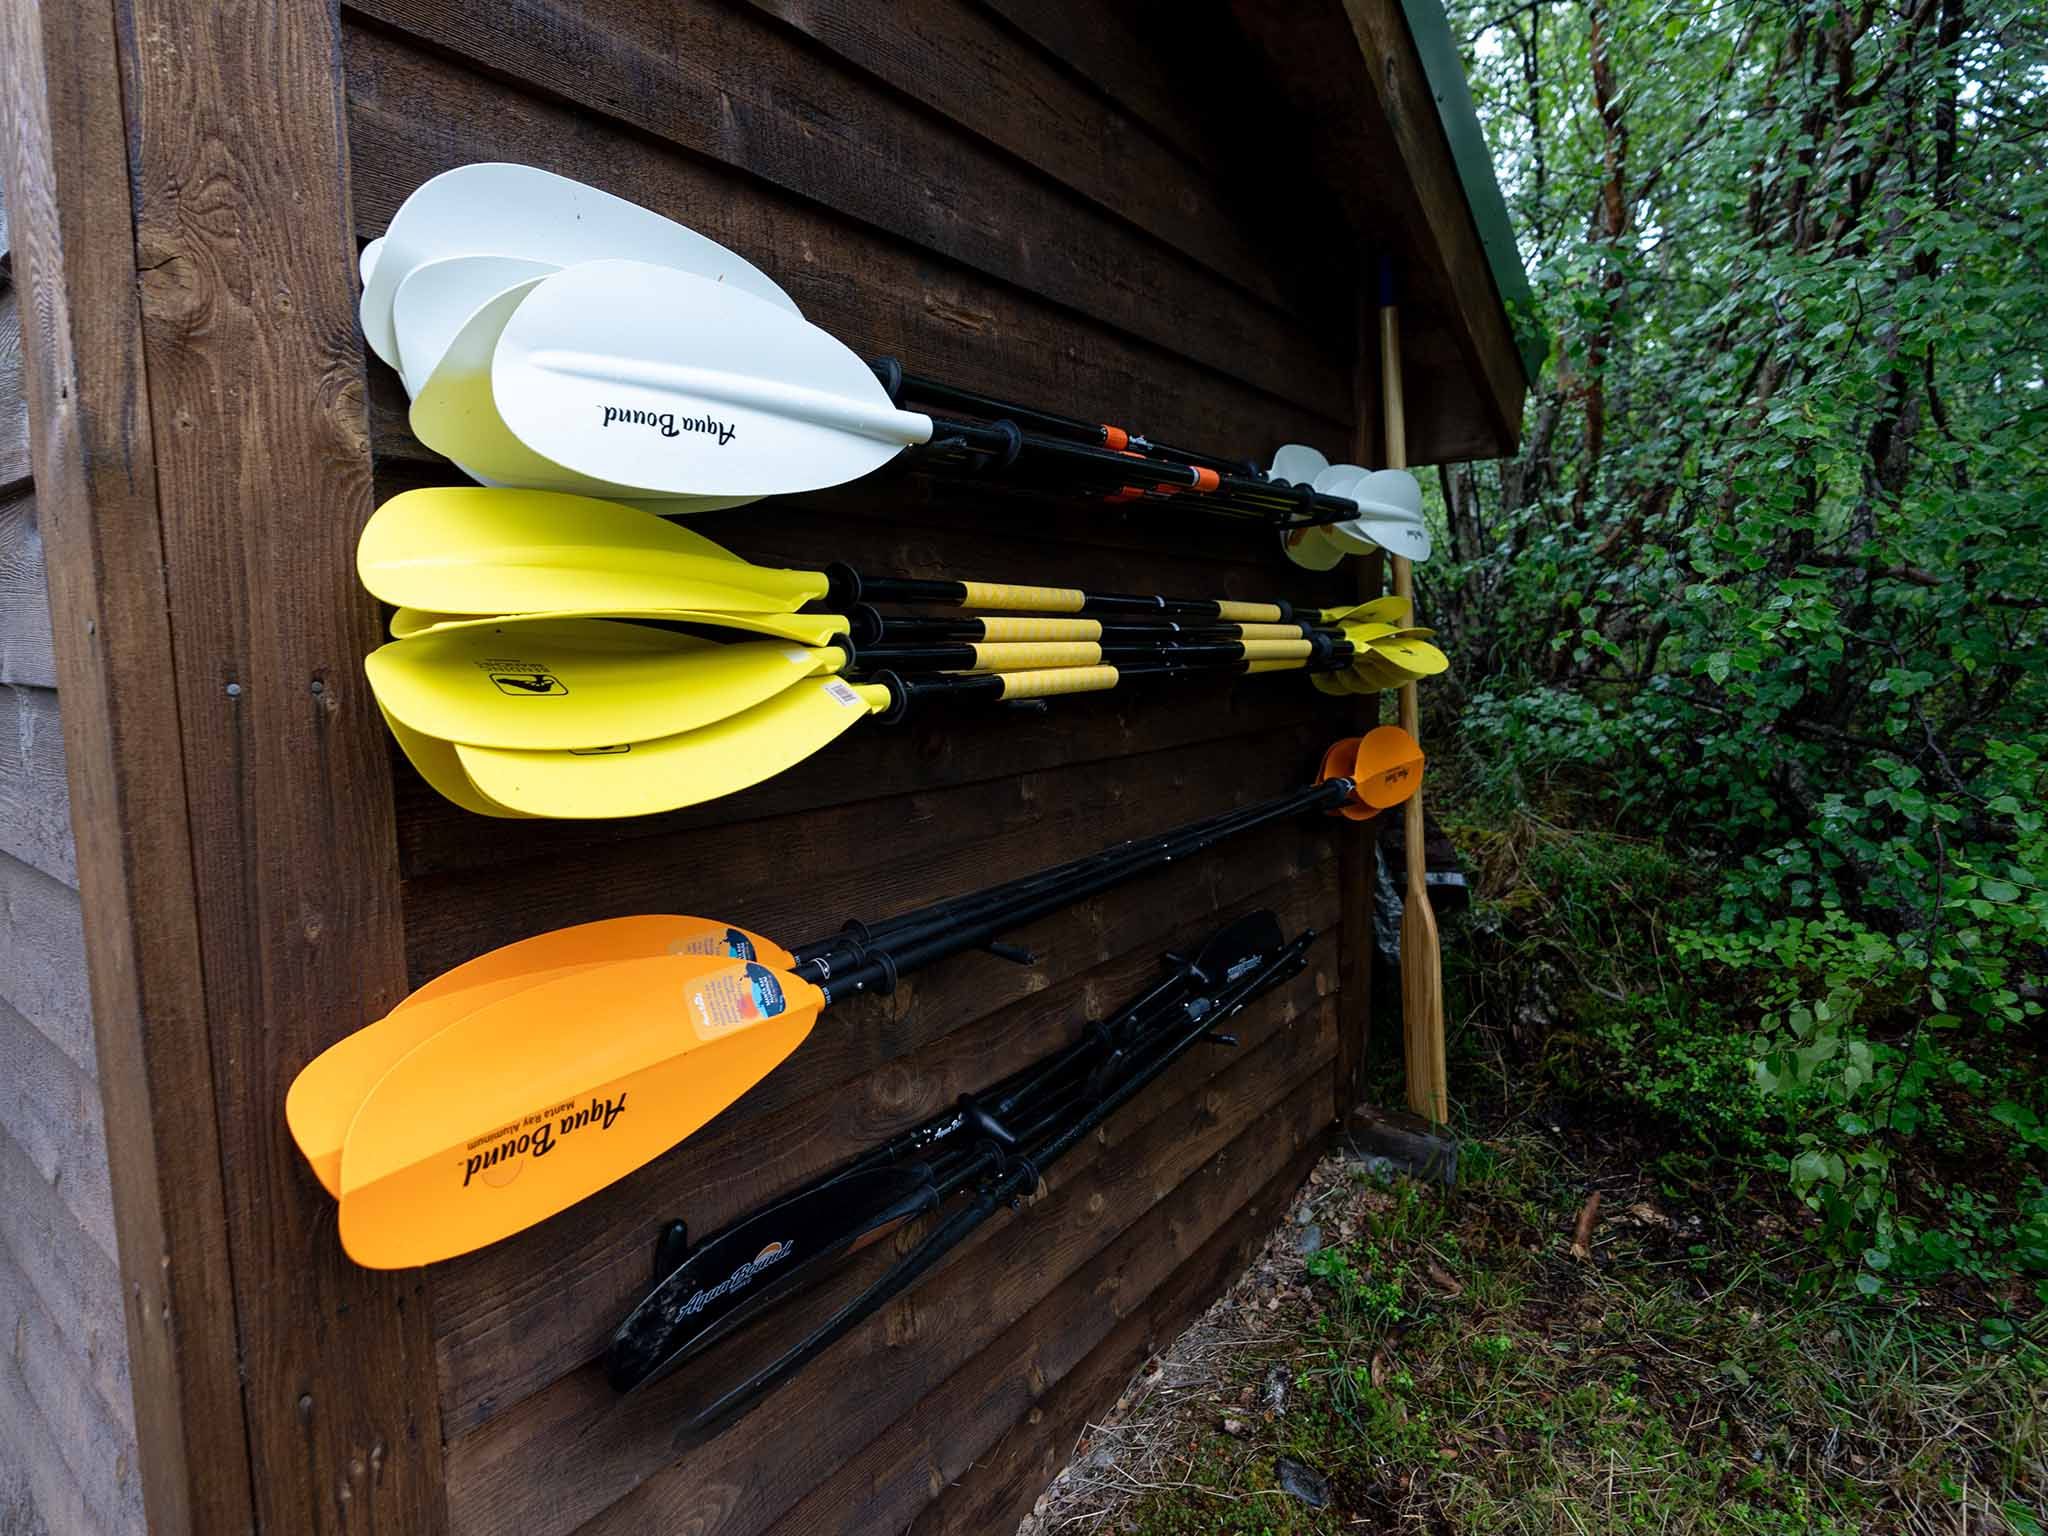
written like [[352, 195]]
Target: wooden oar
[[1422, 1002]]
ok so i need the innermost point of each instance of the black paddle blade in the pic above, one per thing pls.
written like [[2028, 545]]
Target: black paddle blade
[[1245, 945], [733, 1275]]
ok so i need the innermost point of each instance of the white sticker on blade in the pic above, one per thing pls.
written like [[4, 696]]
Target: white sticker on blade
[[795, 655], [844, 694]]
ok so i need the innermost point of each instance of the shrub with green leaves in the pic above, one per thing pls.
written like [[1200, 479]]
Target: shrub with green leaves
[[1767, 584]]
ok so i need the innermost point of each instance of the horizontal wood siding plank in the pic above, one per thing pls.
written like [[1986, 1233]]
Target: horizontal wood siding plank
[[27, 653], [35, 800], [38, 1495], [94, 1441], [878, 294], [52, 1109], [727, 84], [745, 1478], [510, 1320], [974, 1454], [42, 933], [75, 1280], [964, 64]]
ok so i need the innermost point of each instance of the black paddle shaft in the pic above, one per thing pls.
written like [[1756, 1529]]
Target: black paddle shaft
[[1004, 1179], [847, 587], [881, 971]]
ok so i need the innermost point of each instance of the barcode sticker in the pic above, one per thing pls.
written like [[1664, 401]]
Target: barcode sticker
[[844, 694]]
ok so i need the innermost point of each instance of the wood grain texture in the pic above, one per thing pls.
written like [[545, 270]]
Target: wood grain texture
[[28, 652], [1383, 156], [263, 478], [72, 1278], [50, 1105], [994, 1489], [35, 804], [512, 1320], [965, 65], [748, 1476], [63, 160], [877, 293], [727, 84], [94, 1444], [42, 934], [14, 452]]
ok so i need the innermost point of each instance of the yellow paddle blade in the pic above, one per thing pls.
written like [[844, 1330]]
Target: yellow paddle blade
[[325, 1096], [1362, 634], [474, 549], [435, 761], [1370, 672], [803, 628], [1415, 658], [1331, 683], [647, 777], [534, 1102], [572, 684], [1381, 610]]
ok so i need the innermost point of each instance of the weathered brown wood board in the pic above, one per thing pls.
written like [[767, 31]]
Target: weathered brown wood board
[[67, 1412], [934, 182], [1141, 211]]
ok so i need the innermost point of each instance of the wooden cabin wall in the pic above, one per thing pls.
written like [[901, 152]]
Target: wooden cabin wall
[[67, 1415], [1079, 218]]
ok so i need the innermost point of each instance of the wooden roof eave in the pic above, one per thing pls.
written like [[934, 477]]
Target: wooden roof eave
[[1381, 146]]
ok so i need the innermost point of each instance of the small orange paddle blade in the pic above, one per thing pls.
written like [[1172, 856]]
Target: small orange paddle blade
[[328, 1091], [1389, 767], [534, 1102]]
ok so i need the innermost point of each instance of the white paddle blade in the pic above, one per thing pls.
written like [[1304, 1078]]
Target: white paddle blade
[[437, 299], [644, 376], [516, 210], [1390, 514], [1297, 464], [1312, 548], [366, 259]]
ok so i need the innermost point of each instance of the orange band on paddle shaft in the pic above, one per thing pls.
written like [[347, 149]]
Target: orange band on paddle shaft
[[1206, 480], [1039, 685], [1115, 437], [1125, 493], [1248, 613], [995, 594], [1045, 653]]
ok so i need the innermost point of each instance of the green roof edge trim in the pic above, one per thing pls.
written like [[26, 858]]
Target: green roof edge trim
[[1441, 66]]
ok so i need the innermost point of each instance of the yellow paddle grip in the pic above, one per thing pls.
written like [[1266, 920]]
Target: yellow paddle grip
[[1041, 629], [1275, 650], [996, 594], [1039, 685], [1269, 632], [1023, 658], [1274, 666], [1248, 613]]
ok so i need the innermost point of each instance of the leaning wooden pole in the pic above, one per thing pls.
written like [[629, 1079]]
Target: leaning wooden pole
[[1422, 997]]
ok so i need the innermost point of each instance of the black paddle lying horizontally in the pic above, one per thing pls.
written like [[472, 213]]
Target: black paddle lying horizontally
[[993, 1148]]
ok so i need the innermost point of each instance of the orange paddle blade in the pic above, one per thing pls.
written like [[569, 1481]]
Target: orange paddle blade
[[328, 1091], [529, 1104], [1389, 767]]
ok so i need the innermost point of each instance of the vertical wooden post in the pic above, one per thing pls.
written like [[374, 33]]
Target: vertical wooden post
[[64, 163], [246, 253], [1422, 1007]]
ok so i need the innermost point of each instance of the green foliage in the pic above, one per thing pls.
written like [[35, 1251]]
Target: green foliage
[[1766, 585]]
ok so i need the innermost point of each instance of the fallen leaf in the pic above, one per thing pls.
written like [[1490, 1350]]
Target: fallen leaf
[[1444, 1280]]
